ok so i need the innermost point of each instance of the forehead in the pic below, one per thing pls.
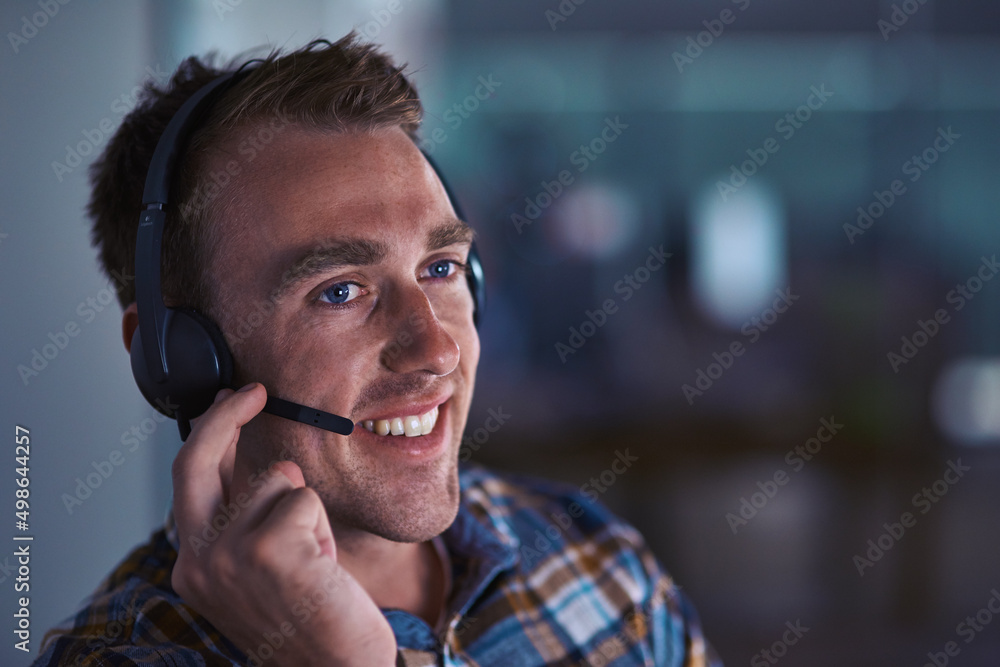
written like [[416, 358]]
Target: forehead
[[308, 172], [307, 185], [308, 189]]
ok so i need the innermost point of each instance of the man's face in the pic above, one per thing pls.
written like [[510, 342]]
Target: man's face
[[337, 276]]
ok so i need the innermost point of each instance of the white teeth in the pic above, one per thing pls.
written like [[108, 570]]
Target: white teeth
[[427, 421], [410, 426]]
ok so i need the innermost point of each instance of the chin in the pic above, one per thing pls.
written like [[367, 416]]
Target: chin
[[413, 506], [421, 512], [422, 530]]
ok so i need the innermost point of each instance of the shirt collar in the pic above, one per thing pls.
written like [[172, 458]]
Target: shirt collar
[[480, 542]]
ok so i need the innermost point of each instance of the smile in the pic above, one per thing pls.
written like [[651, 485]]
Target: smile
[[410, 426]]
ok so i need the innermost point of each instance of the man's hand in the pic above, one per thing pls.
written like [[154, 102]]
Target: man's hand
[[271, 575]]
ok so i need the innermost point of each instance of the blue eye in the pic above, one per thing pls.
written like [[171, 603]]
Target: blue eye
[[442, 268], [340, 293]]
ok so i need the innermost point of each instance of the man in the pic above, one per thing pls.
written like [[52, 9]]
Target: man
[[311, 229]]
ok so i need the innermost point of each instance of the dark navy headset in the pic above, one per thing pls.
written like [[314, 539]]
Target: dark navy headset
[[180, 358]]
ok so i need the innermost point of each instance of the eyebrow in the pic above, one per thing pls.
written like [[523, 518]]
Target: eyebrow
[[450, 233], [361, 252]]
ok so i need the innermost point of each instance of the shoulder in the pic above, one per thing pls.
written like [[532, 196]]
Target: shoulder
[[552, 521], [135, 618], [530, 502], [588, 570]]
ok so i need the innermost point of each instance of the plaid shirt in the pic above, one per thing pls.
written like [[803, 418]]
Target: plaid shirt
[[542, 575]]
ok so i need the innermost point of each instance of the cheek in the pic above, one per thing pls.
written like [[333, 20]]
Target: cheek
[[315, 360], [262, 351], [457, 314], [470, 350]]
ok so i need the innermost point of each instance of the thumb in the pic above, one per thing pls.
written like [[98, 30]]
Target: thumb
[[322, 529], [292, 471]]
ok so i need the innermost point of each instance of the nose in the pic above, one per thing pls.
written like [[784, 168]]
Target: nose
[[418, 341]]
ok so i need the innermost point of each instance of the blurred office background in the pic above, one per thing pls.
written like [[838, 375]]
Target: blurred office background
[[741, 136]]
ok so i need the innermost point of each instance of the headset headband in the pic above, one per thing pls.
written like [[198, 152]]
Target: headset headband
[[155, 197]]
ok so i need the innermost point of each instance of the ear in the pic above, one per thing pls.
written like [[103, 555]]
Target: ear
[[130, 322]]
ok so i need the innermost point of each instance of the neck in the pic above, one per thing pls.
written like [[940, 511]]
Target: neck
[[406, 576]]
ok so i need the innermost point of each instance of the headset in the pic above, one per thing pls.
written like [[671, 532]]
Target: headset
[[180, 359]]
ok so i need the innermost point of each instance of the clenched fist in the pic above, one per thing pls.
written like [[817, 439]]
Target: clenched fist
[[271, 570]]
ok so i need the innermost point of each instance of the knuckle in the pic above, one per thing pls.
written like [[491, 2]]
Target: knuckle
[[186, 580], [178, 467], [302, 500], [222, 570], [189, 457], [303, 496], [262, 556], [311, 496]]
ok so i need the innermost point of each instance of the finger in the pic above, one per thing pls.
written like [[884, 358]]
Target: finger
[[259, 493], [319, 523], [226, 466], [198, 470], [298, 525]]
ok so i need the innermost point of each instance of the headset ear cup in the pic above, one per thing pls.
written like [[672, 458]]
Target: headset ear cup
[[222, 353], [475, 277], [199, 364], [477, 284]]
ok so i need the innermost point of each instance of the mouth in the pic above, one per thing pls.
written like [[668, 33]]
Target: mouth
[[410, 426], [413, 433]]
